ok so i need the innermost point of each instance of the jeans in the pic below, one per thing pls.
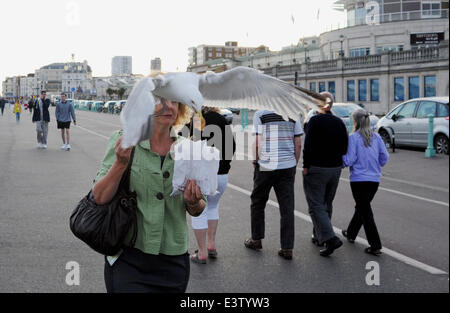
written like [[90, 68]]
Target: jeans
[[17, 117], [42, 132], [283, 183], [320, 185], [363, 193]]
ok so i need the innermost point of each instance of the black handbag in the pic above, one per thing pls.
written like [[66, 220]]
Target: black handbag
[[104, 227]]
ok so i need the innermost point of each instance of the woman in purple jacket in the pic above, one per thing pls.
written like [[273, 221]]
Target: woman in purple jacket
[[366, 155]]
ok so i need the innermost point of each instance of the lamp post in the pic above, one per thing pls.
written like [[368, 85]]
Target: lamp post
[[341, 52]]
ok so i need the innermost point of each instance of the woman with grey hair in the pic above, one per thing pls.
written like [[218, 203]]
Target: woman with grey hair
[[365, 156]]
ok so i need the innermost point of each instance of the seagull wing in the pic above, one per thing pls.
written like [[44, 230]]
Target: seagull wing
[[244, 87], [137, 116]]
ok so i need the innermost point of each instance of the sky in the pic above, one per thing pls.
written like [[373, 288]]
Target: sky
[[37, 33]]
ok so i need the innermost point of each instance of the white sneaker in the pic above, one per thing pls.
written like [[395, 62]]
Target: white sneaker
[[39, 146], [44, 146], [67, 147], [64, 147]]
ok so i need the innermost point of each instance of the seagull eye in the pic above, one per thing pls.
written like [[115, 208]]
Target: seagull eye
[[192, 101]]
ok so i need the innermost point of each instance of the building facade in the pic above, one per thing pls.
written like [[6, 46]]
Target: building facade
[[390, 51], [155, 65], [121, 65], [76, 80]]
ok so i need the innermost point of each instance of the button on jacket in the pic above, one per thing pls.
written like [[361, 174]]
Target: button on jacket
[[162, 226]]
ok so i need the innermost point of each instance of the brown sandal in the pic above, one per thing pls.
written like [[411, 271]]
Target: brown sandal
[[253, 244], [212, 254]]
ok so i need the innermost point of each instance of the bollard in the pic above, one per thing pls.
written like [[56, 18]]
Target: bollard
[[244, 118], [430, 152], [350, 124]]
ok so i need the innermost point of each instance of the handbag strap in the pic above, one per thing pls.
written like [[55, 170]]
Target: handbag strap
[[125, 180]]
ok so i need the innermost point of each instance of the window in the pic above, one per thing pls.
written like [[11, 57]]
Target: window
[[332, 88], [375, 89], [431, 9], [414, 87], [312, 86], [322, 87], [426, 108], [358, 52], [362, 90], [408, 109], [399, 89], [430, 86], [350, 90], [442, 110]]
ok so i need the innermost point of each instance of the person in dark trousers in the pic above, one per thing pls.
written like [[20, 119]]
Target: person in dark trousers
[[365, 156], [2, 105], [41, 116], [30, 105], [326, 142], [219, 135], [277, 151]]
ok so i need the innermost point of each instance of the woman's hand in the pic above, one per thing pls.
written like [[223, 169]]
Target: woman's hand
[[122, 155], [193, 198]]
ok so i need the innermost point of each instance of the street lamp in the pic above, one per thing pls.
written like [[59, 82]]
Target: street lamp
[[341, 52]]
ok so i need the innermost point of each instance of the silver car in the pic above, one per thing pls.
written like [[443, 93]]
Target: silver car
[[407, 123], [344, 111]]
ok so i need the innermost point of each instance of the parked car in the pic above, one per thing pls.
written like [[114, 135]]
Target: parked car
[[98, 106], [109, 107], [235, 110], [344, 111], [89, 105], [227, 114], [119, 106], [408, 123]]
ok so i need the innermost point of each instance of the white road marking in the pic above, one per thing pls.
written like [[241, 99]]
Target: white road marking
[[407, 194], [398, 256], [415, 184]]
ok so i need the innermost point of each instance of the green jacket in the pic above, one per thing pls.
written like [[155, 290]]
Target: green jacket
[[161, 219]]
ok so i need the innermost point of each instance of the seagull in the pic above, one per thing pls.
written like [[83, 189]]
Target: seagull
[[241, 87]]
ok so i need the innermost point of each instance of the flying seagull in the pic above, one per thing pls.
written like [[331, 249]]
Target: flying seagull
[[240, 87]]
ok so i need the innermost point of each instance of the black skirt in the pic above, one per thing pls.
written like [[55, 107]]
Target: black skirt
[[138, 272]]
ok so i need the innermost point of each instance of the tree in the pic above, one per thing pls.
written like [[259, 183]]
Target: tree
[[121, 92], [110, 92]]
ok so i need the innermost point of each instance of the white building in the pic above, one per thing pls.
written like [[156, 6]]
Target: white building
[[76, 79], [10, 87], [155, 65], [390, 51], [121, 65], [27, 86]]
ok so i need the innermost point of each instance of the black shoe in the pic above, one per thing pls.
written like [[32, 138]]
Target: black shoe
[[253, 244], [330, 246], [345, 234], [375, 252], [285, 253], [315, 241]]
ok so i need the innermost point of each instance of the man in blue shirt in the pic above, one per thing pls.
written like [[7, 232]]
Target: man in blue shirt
[[64, 111]]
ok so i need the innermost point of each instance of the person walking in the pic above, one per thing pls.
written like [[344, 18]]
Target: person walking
[[17, 110], [41, 116], [325, 143], [30, 105], [64, 112], [159, 261], [365, 156], [277, 151], [2, 105], [219, 135]]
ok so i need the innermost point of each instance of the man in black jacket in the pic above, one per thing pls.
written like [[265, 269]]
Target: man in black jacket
[[41, 116], [326, 142]]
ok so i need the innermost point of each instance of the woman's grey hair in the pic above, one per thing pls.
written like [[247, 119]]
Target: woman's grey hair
[[361, 123]]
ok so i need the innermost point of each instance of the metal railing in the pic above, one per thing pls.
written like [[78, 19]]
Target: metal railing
[[403, 16]]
